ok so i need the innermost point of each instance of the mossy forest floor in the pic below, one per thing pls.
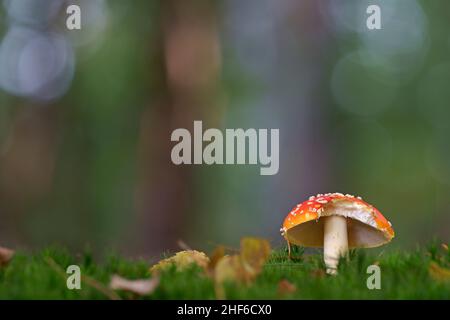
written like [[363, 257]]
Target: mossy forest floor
[[419, 274]]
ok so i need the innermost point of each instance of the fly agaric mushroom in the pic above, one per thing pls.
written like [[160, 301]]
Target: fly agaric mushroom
[[336, 222]]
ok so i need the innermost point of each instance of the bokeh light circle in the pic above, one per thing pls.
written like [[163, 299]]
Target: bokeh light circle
[[358, 88], [34, 64]]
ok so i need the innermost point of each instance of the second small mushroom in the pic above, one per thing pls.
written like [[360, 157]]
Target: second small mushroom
[[336, 222]]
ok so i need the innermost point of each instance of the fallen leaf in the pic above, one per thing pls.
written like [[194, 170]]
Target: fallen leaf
[[245, 266], [242, 268], [182, 260], [254, 253], [229, 268], [140, 287], [438, 273], [444, 246], [286, 287], [216, 255], [5, 256]]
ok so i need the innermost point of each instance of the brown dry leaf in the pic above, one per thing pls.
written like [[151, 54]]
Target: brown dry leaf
[[286, 287], [438, 273], [229, 268], [254, 253], [216, 255], [182, 260], [5, 256], [140, 287], [242, 268], [444, 246], [245, 266]]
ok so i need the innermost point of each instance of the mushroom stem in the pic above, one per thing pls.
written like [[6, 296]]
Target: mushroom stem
[[335, 242]]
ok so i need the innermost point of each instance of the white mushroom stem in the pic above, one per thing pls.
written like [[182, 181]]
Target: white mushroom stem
[[335, 242]]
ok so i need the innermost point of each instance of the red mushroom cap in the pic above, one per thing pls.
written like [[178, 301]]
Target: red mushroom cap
[[366, 226]]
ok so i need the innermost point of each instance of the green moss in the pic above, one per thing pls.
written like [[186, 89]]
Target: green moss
[[404, 275]]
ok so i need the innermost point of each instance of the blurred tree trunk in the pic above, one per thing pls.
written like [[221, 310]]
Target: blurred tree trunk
[[27, 167], [188, 51]]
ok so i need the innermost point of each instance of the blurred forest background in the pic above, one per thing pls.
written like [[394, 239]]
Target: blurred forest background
[[86, 117]]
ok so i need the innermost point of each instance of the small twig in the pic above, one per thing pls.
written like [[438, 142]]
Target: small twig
[[88, 280], [289, 249], [55, 267], [100, 287], [183, 245]]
